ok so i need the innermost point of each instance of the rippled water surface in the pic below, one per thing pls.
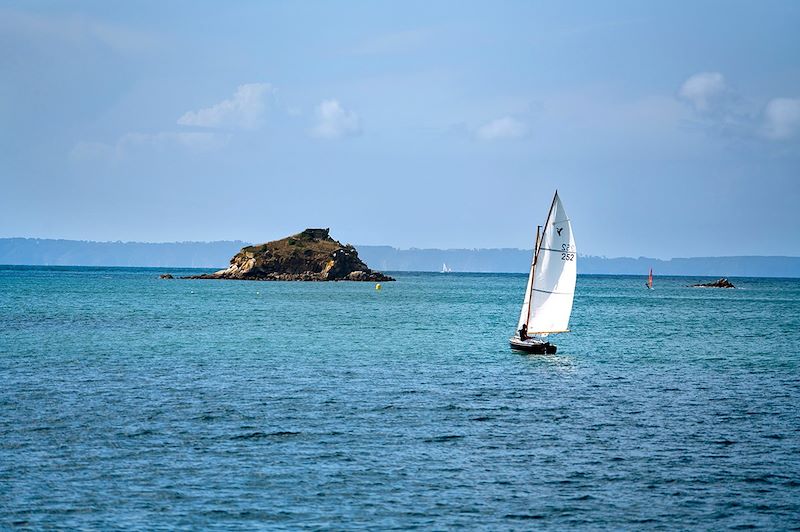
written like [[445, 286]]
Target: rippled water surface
[[128, 401]]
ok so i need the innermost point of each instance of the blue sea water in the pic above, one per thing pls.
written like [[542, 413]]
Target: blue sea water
[[132, 402]]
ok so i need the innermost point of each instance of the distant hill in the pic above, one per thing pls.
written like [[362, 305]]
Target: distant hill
[[518, 260], [36, 251], [39, 251]]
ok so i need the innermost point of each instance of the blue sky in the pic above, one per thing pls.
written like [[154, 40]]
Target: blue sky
[[669, 129]]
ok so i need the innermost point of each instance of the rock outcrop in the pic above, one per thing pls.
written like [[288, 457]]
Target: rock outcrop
[[166, 276], [308, 256], [719, 283]]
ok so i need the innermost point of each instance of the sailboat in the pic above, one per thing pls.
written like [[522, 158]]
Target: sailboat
[[649, 283], [445, 269], [551, 284]]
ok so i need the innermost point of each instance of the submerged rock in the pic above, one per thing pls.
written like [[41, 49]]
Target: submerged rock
[[719, 283], [308, 256]]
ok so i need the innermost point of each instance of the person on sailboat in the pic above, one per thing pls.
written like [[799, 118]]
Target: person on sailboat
[[523, 332]]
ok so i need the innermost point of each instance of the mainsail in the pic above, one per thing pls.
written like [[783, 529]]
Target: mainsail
[[650, 279], [526, 303], [551, 282]]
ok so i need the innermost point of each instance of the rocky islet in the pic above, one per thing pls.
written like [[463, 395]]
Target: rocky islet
[[311, 255]]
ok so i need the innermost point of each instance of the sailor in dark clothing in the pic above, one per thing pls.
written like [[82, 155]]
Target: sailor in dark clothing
[[523, 332]]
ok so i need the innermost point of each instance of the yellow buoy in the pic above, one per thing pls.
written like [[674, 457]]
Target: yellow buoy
[[378, 286]]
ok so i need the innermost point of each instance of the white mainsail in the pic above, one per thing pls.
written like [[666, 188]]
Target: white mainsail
[[526, 303], [551, 283]]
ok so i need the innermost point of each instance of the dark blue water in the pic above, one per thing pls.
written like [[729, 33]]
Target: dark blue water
[[127, 401]]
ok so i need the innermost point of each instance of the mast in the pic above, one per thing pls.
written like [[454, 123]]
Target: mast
[[532, 280]]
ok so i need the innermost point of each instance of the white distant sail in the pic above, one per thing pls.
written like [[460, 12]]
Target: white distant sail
[[551, 282], [445, 269]]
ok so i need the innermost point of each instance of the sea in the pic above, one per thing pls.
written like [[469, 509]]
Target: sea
[[131, 402]]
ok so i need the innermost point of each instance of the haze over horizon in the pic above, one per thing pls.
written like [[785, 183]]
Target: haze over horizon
[[5, 240], [669, 130]]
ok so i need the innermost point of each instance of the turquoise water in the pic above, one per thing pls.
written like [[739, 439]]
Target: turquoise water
[[127, 401]]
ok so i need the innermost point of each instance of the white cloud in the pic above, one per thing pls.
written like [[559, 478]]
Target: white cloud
[[334, 121], [723, 111], [701, 89], [781, 118], [243, 111], [502, 128]]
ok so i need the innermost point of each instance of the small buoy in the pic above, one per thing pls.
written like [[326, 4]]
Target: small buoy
[[378, 286]]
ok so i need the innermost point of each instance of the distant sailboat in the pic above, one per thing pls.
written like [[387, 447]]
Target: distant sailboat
[[649, 283], [445, 269], [551, 284]]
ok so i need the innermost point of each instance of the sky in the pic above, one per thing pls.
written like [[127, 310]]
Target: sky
[[670, 129]]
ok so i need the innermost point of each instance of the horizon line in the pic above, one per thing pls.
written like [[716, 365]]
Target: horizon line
[[176, 268]]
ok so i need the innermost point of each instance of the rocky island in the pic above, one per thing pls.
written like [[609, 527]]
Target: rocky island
[[719, 283], [308, 256]]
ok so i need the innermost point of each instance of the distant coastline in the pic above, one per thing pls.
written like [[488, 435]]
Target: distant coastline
[[510, 260], [51, 252]]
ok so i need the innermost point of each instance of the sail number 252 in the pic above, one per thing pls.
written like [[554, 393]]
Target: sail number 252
[[567, 252]]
